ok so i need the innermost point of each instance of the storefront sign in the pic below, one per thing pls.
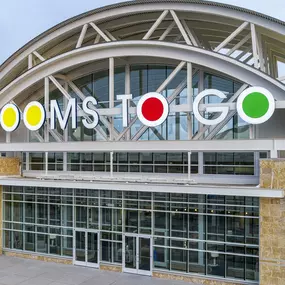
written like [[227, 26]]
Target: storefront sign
[[255, 105]]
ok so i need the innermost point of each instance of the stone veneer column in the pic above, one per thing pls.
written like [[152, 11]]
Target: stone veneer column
[[272, 224], [9, 166]]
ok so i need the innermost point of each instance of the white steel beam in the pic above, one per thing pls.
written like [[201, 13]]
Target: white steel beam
[[97, 39], [248, 50], [180, 27], [155, 25], [191, 34], [110, 35], [99, 31], [30, 61], [231, 36], [254, 45], [82, 35], [260, 51], [167, 31], [239, 44]]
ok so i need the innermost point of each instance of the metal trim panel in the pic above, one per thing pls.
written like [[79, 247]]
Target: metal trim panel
[[148, 187], [146, 146]]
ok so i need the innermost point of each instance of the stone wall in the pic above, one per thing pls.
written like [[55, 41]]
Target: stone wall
[[10, 166], [272, 224]]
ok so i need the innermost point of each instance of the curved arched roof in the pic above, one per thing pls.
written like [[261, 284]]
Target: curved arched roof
[[210, 22], [137, 2]]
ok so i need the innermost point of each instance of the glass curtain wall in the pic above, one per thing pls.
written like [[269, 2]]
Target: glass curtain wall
[[202, 234], [144, 79], [228, 163]]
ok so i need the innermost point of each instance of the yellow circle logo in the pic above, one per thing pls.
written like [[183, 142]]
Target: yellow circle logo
[[34, 116], [10, 117]]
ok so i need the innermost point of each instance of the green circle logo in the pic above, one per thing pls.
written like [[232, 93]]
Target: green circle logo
[[255, 105]]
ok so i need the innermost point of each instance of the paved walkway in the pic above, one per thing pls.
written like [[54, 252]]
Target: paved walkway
[[15, 271]]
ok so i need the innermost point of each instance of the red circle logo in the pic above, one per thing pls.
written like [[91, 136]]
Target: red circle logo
[[152, 109]]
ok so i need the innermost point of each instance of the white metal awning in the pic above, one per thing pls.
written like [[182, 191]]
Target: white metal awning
[[151, 186]]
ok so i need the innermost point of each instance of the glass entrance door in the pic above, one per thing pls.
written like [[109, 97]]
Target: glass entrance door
[[86, 248], [137, 256]]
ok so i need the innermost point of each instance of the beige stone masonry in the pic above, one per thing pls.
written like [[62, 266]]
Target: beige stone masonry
[[272, 224]]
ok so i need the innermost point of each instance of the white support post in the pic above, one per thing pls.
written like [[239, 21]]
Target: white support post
[[46, 101], [189, 165], [46, 129], [30, 61], [65, 132], [8, 137], [111, 164], [46, 162], [167, 31], [231, 36], [189, 98], [254, 45], [260, 52], [128, 91], [200, 89], [155, 25], [200, 163], [82, 35], [180, 27], [256, 163], [97, 39], [27, 153], [111, 93]]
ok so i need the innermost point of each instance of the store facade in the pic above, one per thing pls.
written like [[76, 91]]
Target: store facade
[[147, 137]]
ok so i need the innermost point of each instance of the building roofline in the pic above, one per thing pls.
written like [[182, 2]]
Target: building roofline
[[132, 3]]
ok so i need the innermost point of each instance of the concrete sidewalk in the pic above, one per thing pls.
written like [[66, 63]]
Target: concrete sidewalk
[[32, 272]]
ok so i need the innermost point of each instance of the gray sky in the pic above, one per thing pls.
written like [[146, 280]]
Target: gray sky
[[21, 21]]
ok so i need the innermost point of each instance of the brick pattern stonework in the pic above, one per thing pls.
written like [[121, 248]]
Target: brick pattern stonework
[[272, 224], [10, 166], [194, 280], [39, 257]]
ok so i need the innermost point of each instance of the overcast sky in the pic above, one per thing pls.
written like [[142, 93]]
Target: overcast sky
[[22, 20]]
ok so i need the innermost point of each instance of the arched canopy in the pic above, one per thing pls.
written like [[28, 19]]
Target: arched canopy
[[205, 24], [138, 48]]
